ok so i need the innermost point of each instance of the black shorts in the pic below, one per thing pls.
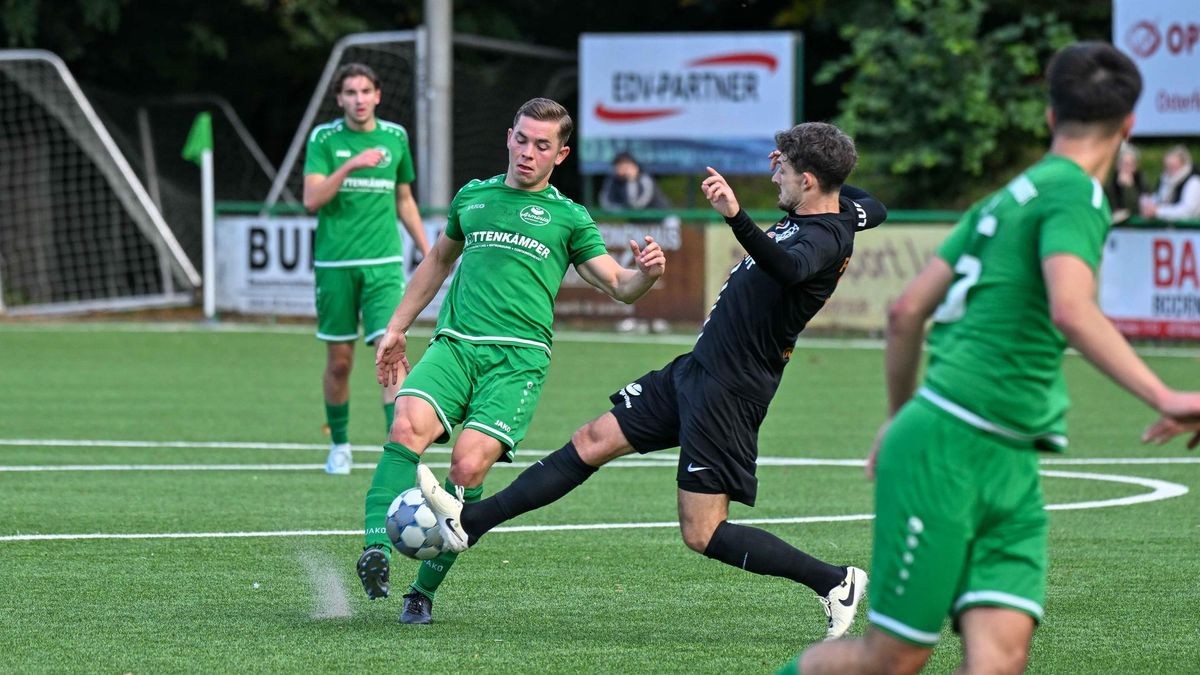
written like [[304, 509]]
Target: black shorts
[[716, 430]]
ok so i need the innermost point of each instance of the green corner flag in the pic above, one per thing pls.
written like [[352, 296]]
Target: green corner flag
[[199, 138]]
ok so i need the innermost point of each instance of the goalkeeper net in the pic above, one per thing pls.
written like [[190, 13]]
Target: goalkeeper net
[[77, 230], [492, 78]]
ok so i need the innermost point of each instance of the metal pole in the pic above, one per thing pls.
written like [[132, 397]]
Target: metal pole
[[209, 234], [439, 165]]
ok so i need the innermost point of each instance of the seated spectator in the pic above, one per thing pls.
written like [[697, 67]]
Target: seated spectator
[[1127, 184], [628, 188], [1178, 194]]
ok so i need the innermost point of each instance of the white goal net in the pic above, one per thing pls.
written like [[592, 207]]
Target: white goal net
[[78, 232]]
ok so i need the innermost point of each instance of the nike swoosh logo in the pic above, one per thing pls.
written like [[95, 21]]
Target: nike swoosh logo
[[849, 599], [692, 468]]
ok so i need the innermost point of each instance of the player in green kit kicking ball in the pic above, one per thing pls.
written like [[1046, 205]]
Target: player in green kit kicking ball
[[357, 175], [960, 526], [516, 235]]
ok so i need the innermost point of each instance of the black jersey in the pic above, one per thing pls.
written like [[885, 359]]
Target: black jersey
[[790, 271]]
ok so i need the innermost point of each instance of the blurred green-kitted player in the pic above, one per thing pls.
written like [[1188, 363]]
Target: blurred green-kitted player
[[960, 525], [516, 235], [358, 172]]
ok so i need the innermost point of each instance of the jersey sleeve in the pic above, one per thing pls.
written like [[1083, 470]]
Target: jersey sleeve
[[453, 226], [405, 173], [316, 157], [1074, 227], [586, 242]]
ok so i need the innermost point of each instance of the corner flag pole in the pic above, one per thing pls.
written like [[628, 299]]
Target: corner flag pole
[[199, 147]]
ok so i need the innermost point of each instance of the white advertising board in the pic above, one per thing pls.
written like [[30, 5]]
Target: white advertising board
[[1150, 283], [1163, 39], [264, 265], [682, 101]]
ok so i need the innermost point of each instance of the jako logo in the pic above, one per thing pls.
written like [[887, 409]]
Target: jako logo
[[686, 87], [535, 215], [1144, 38]]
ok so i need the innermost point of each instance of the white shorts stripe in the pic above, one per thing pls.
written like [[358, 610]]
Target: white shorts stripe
[[998, 598], [494, 339], [428, 399], [496, 433], [365, 262], [372, 336], [918, 636], [337, 338], [983, 424]]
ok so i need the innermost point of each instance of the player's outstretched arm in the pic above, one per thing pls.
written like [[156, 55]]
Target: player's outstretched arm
[[623, 284], [1071, 290], [390, 353]]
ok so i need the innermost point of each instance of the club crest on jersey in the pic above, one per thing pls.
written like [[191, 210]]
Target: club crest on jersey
[[387, 157], [535, 215], [787, 233]]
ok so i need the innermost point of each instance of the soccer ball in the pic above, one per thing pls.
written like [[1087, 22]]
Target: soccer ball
[[412, 527]]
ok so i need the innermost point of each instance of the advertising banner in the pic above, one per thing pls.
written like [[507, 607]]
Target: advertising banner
[[1150, 284], [1163, 39], [680, 102], [884, 260], [677, 297], [264, 265]]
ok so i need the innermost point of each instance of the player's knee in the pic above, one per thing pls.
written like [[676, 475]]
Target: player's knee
[[996, 658], [599, 442], [402, 431], [469, 471], [696, 536], [338, 368]]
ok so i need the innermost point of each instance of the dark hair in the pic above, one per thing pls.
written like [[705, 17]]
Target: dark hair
[[625, 157], [353, 70], [1092, 83], [821, 149], [546, 110]]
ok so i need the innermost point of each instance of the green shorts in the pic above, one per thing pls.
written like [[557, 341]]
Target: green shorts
[[490, 388], [959, 523], [345, 293]]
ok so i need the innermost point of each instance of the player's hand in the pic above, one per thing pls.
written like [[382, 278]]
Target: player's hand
[[776, 158], [651, 260], [873, 455], [366, 159], [1181, 406], [390, 357], [1166, 428], [719, 194]]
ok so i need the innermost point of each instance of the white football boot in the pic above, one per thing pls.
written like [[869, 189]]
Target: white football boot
[[447, 508], [338, 461], [842, 602]]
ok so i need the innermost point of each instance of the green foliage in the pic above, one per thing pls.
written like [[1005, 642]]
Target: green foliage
[[936, 97]]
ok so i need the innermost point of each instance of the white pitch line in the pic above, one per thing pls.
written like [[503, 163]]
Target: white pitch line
[[1160, 489], [34, 468]]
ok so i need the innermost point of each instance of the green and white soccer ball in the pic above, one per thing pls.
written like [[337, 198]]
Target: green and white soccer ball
[[412, 527]]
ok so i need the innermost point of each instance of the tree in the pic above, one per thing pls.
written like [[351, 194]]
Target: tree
[[938, 100]]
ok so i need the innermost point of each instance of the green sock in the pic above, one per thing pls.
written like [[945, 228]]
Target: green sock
[[338, 418], [432, 573], [389, 411], [396, 472]]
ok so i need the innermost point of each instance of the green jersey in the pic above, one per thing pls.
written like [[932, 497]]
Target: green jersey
[[516, 247], [995, 355], [358, 226]]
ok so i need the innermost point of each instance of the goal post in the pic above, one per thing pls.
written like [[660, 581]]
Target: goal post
[[78, 231]]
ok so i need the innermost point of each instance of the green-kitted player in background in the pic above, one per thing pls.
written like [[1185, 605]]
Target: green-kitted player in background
[[516, 235], [358, 172], [960, 524]]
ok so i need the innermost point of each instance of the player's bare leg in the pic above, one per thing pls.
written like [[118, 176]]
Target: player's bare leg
[[875, 652], [995, 640], [336, 387]]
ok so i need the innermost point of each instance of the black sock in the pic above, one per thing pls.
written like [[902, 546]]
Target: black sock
[[550, 478], [761, 552]]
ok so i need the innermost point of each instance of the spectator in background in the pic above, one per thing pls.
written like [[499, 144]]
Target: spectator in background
[[628, 188], [1178, 194], [1127, 184]]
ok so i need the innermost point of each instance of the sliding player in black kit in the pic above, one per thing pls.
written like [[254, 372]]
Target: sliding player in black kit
[[711, 401]]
